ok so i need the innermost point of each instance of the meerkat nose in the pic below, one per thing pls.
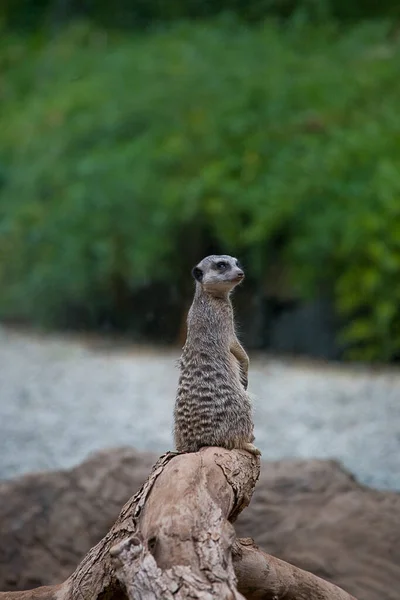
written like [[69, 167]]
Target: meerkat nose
[[240, 275]]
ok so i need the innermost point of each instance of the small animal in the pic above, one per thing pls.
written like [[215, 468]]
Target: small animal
[[212, 406]]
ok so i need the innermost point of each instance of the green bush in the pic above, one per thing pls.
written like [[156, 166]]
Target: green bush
[[136, 14], [122, 157]]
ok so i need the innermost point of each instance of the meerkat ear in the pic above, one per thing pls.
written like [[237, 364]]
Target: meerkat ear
[[197, 273]]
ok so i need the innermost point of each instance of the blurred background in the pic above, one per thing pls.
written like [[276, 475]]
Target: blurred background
[[139, 137]]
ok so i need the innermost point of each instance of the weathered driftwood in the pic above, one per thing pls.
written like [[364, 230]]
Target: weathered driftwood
[[174, 539]]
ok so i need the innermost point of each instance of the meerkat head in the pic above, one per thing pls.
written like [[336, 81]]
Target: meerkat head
[[218, 275]]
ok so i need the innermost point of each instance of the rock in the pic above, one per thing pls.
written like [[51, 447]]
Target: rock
[[48, 521], [315, 515], [310, 513]]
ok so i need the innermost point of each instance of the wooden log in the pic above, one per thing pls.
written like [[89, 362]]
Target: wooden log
[[264, 577], [174, 539]]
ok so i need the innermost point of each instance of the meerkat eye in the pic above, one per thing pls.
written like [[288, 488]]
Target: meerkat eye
[[239, 265], [222, 265]]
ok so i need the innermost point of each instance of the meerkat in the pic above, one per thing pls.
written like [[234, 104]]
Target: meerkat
[[212, 406]]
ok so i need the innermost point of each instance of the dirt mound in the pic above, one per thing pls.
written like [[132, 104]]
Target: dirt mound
[[310, 513]]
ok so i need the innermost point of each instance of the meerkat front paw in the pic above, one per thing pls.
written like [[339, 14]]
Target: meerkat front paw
[[252, 449]]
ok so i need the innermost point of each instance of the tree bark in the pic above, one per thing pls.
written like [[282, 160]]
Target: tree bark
[[174, 539]]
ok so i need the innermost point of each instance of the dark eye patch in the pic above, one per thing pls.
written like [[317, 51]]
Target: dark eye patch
[[238, 264], [222, 265]]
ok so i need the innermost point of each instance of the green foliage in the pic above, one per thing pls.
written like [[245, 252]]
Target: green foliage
[[122, 156], [136, 14]]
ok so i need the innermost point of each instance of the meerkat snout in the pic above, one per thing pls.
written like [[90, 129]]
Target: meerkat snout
[[240, 274]]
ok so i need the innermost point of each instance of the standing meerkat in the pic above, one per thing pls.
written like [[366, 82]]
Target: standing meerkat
[[212, 406]]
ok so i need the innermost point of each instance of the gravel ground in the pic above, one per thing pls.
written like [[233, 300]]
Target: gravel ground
[[63, 398]]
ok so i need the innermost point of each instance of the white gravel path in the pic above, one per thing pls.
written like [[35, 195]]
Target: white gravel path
[[63, 398]]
